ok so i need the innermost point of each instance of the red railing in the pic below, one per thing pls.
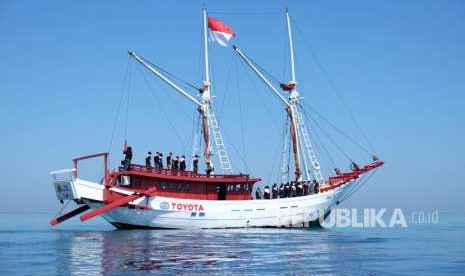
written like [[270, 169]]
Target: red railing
[[141, 168], [105, 163]]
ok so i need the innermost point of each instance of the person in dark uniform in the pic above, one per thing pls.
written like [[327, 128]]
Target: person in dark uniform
[[127, 157], [281, 190], [266, 192], [128, 153], [300, 189], [209, 168], [274, 191], [169, 161], [316, 187], [355, 166], [160, 161], [305, 188], [311, 187], [287, 190], [182, 163], [156, 160], [176, 164], [258, 193], [148, 159], [292, 189], [195, 163]]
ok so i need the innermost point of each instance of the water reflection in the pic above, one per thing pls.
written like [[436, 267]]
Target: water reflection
[[206, 251]]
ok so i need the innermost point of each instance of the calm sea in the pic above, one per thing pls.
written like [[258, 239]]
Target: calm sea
[[28, 246]]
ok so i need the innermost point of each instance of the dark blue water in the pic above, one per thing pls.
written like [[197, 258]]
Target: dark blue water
[[29, 246]]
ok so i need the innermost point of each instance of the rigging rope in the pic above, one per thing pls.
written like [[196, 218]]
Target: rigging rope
[[226, 88], [186, 83], [241, 116], [281, 142], [127, 102], [356, 188], [335, 127], [309, 118], [246, 12], [333, 86], [320, 142], [118, 109], [162, 108], [270, 114]]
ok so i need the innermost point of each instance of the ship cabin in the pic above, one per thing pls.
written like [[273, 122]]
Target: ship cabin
[[186, 185]]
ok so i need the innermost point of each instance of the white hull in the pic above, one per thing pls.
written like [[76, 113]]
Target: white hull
[[173, 213]]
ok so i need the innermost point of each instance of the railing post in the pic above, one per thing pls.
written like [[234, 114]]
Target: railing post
[[75, 168], [105, 166]]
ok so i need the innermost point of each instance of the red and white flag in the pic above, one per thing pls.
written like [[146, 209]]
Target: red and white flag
[[220, 32]]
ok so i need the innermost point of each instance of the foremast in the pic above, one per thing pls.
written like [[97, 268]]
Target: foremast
[[203, 104]]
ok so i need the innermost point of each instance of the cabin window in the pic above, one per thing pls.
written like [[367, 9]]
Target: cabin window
[[238, 187], [230, 188], [163, 185], [187, 187], [180, 186], [245, 187]]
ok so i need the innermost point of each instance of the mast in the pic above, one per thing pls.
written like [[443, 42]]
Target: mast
[[298, 131], [204, 107], [205, 95], [293, 97], [291, 45]]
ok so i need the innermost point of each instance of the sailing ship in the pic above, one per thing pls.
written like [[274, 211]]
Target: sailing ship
[[138, 196]]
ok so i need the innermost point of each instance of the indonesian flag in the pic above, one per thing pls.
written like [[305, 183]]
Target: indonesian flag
[[220, 32]]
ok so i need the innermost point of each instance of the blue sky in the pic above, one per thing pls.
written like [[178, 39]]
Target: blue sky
[[399, 66]]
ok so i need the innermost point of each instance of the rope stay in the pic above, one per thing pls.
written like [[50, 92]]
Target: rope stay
[[118, 109], [334, 88], [345, 135], [154, 94]]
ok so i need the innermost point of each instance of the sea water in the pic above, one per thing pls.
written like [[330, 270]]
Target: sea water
[[29, 246]]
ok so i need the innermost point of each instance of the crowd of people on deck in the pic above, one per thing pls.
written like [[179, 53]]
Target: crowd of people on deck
[[174, 163], [289, 189]]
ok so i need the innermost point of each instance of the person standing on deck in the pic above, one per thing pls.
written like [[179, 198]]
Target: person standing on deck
[[258, 193], [160, 161], [287, 190], [156, 160], [195, 163], [300, 189], [209, 168], [316, 187], [281, 191], [305, 188], [169, 161], [274, 191], [148, 159], [266, 192], [127, 156], [182, 163], [176, 164]]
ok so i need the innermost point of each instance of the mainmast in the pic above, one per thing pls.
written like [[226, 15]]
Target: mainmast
[[298, 131], [291, 109]]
